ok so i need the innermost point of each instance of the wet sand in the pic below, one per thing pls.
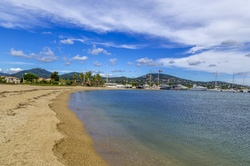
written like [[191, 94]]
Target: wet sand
[[37, 128]]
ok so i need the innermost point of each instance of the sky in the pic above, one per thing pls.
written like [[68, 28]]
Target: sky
[[200, 40]]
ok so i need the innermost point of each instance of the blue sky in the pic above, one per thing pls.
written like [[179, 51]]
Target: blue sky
[[189, 39]]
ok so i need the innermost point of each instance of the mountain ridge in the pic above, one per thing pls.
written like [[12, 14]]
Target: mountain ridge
[[164, 78], [38, 71], [4, 74]]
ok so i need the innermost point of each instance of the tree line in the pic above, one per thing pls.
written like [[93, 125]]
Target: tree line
[[86, 79]]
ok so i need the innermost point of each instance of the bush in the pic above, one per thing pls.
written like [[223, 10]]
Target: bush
[[69, 82], [30, 77]]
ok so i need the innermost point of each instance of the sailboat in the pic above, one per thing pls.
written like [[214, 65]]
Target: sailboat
[[216, 88], [231, 88]]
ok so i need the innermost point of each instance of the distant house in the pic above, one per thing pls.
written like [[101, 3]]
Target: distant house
[[12, 80], [44, 80], [41, 79], [48, 79]]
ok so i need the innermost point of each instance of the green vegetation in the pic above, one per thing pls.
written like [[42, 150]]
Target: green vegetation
[[75, 76], [76, 79], [30, 77], [37, 71], [2, 80], [97, 80], [170, 80], [54, 76], [81, 76], [87, 79]]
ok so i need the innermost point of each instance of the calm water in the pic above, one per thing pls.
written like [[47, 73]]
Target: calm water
[[180, 128]]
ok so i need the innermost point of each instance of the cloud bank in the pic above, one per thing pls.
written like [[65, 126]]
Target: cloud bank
[[211, 61], [217, 36], [146, 62], [200, 23], [80, 58], [97, 64], [113, 61], [46, 55], [96, 51]]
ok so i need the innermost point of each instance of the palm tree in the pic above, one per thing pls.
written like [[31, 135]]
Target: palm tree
[[54, 76], [75, 76], [93, 80], [87, 78], [81, 77], [99, 79]]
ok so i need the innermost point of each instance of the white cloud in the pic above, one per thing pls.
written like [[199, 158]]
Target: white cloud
[[195, 63], [13, 70], [70, 41], [222, 61], [17, 63], [62, 71], [67, 41], [113, 61], [212, 65], [129, 63], [46, 55], [129, 46], [96, 51], [178, 21], [80, 58], [94, 72], [171, 61], [80, 40], [147, 62], [97, 64], [204, 26], [47, 33], [118, 71], [18, 53], [126, 46], [67, 61], [0, 69]]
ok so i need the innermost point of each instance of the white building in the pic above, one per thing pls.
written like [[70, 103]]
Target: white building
[[12, 80]]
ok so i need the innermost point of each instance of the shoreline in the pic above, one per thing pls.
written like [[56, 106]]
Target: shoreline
[[37, 128], [76, 147]]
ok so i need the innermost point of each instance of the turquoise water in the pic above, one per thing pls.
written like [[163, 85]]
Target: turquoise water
[[180, 128]]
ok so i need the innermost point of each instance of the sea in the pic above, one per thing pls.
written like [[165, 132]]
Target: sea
[[172, 128]]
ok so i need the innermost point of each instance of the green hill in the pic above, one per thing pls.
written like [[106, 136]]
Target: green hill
[[38, 71], [163, 78], [69, 75], [3, 74], [168, 79]]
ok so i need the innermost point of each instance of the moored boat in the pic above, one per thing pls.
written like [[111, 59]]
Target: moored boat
[[164, 87], [198, 88]]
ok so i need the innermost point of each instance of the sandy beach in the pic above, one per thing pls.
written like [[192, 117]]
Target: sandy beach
[[37, 128]]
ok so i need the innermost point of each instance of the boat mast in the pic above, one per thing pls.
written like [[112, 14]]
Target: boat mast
[[159, 78], [244, 77], [107, 78], [150, 77], [84, 76], [233, 81], [215, 82]]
